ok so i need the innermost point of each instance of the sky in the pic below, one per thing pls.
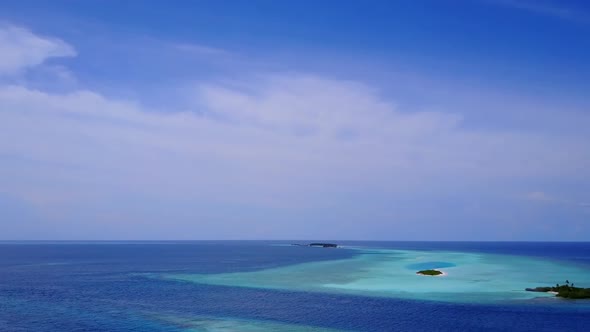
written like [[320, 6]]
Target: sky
[[346, 120]]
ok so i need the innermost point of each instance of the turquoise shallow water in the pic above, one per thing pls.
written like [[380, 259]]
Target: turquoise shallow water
[[469, 277]]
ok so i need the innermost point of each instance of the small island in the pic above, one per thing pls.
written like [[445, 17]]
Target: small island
[[567, 291], [430, 273], [324, 245], [317, 244]]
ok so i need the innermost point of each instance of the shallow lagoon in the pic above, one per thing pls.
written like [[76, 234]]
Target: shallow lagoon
[[470, 277]]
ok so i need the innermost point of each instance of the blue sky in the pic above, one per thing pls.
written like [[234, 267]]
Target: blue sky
[[387, 120]]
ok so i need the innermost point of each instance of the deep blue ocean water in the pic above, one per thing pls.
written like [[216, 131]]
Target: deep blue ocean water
[[105, 286]]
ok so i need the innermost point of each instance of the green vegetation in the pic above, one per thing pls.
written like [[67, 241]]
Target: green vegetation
[[324, 245], [429, 272], [567, 291]]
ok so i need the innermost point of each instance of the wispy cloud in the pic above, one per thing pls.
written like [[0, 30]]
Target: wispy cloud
[[21, 49], [555, 9], [198, 49], [540, 196]]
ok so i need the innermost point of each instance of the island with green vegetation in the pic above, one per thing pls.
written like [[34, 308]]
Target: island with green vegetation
[[567, 291], [430, 272], [317, 244], [324, 245]]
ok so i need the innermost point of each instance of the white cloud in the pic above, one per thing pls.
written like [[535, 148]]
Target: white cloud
[[278, 140], [539, 196], [320, 106], [282, 135], [21, 49]]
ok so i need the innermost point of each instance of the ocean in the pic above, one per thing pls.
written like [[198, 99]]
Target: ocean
[[273, 286]]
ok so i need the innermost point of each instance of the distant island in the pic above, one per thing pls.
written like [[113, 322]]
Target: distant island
[[430, 272], [317, 244], [567, 291]]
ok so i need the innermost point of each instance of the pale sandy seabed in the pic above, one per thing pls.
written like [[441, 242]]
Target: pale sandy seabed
[[228, 324]]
